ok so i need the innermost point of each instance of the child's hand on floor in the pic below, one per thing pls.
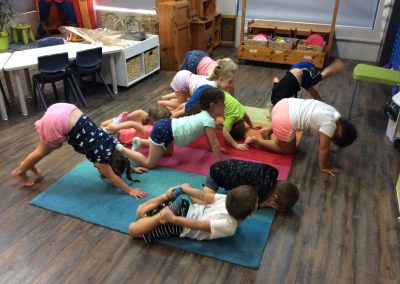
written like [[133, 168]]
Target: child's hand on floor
[[139, 170], [242, 147], [137, 193]]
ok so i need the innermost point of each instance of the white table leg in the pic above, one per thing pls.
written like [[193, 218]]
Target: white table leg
[[113, 74], [21, 96], [3, 109]]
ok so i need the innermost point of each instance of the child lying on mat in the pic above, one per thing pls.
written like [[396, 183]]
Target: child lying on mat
[[183, 131], [165, 216], [303, 74], [198, 62], [65, 122], [291, 115], [229, 174], [234, 117], [135, 124], [185, 83]]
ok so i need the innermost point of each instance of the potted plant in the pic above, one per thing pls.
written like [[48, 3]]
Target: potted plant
[[6, 14]]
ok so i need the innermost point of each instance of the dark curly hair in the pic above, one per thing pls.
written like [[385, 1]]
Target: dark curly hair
[[120, 164]]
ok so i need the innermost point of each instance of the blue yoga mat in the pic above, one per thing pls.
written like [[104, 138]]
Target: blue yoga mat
[[82, 194]]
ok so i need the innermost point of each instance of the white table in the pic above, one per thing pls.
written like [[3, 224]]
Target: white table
[[3, 59], [26, 58]]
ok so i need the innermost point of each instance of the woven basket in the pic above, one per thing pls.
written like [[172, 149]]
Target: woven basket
[[150, 60], [250, 41], [133, 68], [301, 45], [283, 43], [149, 23]]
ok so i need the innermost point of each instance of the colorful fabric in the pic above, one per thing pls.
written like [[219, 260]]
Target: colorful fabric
[[53, 127], [88, 139], [311, 75], [233, 111], [191, 61], [188, 128], [229, 174]]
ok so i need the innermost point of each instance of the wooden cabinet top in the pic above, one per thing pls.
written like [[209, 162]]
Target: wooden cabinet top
[[266, 24]]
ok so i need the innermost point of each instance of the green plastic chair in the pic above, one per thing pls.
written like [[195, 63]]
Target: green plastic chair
[[25, 31], [374, 74]]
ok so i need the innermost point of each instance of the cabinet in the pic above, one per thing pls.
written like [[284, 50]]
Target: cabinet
[[174, 31], [135, 62], [205, 25], [292, 54], [206, 33]]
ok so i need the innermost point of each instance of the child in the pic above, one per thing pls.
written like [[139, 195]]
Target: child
[[183, 131], [302, 74], [65, 122], [291, 115], [229, 174], [126, 129], [218, 219], [198, 62], [234, 117], [185, 83]]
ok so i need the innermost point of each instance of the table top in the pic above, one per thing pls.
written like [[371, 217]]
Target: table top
[[26, 58], [3, 58]]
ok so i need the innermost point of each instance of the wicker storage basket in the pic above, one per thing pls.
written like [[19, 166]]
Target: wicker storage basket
[[133, 68], [301, 45], [150, 23], [283, 42], [250, 41], [150, 60]]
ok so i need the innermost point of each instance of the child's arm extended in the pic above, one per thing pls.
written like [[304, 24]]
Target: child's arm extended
[[324, 149], [247, 119], [205, 196], [114, 128], [137, 114], [108, 172], [213, 142], [168, 217], [228, 138]]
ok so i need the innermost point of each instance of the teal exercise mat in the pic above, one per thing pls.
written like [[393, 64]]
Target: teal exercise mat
[[82, 194]]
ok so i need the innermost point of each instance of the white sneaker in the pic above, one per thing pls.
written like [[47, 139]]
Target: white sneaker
[[135, 143]]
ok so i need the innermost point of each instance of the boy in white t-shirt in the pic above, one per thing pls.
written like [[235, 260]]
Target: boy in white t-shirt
[[165, 217], [291, 115]]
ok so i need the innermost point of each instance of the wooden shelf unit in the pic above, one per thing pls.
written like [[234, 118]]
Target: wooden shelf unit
[[288, 29], [206, 34], [174, 32]]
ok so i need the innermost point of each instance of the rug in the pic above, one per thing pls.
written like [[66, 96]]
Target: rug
[[83, 195]]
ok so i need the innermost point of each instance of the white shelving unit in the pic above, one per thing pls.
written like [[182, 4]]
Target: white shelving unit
[[135, 62]]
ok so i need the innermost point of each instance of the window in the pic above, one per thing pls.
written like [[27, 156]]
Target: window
[[352, 13]]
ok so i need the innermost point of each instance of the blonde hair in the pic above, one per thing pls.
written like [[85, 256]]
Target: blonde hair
[[225, 68]]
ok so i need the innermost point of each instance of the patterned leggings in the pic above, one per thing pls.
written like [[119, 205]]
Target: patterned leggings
[[179, 207]]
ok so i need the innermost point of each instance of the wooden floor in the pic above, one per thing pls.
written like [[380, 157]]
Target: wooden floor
[[342, 230]]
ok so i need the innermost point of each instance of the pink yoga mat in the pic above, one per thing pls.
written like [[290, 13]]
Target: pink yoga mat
[[198, 161]]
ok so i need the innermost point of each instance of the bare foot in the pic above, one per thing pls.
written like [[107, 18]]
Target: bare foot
[[23, 178], [39, 175], [266, 133], [338, 65]]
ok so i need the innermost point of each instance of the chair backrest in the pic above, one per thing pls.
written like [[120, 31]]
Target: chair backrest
[[53, 63], [49, 41], [89, 58]]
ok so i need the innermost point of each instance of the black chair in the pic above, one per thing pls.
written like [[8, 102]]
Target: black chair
[[49, 41], [54, 68], [88, 62]]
